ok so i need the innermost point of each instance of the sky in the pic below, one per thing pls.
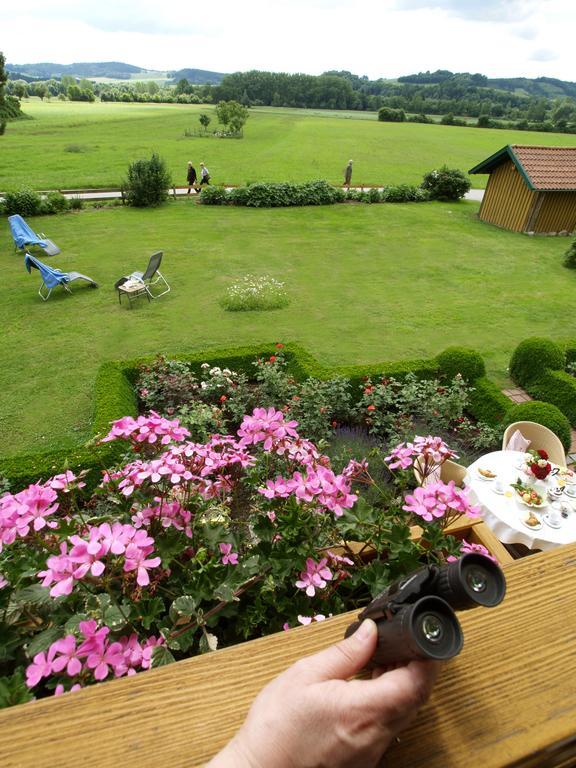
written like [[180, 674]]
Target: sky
[[376, 38]]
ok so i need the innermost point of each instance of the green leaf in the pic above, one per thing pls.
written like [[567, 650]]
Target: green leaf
[[73, 622], [185, 605], [43, 640], [13, 690], [150, 610], [183, 642], [225, 592], [161, 656], [32, 595]]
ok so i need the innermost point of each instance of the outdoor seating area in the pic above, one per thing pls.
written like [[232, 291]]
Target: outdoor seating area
[[25, 238]]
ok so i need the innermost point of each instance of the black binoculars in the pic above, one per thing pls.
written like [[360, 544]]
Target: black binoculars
[[415, 615]]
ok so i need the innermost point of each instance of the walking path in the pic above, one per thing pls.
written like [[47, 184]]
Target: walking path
[[111, 194]]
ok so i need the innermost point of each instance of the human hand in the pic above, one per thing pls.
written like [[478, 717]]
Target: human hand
[[312, 716]]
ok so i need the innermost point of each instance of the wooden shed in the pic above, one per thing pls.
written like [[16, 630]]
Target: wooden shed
[[530, 189]]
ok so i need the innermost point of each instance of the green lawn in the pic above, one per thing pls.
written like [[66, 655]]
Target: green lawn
[[367, 283], [74, 144]]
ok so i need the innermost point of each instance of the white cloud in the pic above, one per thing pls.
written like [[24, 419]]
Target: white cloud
[[379, 38]]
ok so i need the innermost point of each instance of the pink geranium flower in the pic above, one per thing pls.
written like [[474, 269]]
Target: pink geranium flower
[[228, 557], [314, 577]]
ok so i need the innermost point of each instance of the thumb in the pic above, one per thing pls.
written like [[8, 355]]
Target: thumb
[[344, 659]]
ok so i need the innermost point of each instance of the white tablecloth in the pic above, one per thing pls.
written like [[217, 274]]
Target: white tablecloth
[[503, 513]]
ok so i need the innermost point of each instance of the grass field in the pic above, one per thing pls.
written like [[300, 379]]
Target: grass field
[[367, 284], [74, 144]]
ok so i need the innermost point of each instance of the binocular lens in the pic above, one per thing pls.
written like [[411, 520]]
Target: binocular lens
[[471, 580], [436, 629], [432, 628]]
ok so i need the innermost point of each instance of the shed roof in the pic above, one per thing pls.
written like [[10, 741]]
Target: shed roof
[[546, 169]]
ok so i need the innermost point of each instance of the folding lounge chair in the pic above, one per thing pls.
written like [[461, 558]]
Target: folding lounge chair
[[25, 237], [151, 277], [52, 277]]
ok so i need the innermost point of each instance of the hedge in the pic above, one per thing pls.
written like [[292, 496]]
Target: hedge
[[114, 397], [537, 364], [542, 413]]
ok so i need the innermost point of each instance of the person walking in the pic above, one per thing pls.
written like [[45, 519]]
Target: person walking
[[191, 176], [348, 174], [204, 175]]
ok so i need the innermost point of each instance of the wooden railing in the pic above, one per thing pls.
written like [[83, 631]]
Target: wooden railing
[[509, 699]]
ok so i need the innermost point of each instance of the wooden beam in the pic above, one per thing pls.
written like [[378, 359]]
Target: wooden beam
[[509, 695]]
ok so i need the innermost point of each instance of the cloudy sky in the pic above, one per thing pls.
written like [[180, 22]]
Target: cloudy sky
[[377, 38]]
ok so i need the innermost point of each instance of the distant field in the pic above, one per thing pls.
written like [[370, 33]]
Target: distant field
[[367, 284], [73, 144]]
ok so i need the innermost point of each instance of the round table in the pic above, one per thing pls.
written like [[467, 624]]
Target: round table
[[503, 513]]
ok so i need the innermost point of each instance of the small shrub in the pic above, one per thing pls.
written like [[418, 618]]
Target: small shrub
[[286, 194], [542, 413], [532, 356], [239, 196], [147, 182], [421, 118], [253, 293], [570, 256], [54, 202], [461, 360], [214, 196], [25, 202], [374, 195], [446, 184], [404, 193], [390, 115]]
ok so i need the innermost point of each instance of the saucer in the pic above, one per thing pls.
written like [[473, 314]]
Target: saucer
[[547, 520], [501, 492], [570, 490]]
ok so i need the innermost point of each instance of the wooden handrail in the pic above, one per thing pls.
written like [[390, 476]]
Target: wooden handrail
[[509, 699]]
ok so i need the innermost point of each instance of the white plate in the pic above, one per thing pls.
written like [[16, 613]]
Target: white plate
[[567, 479], [487, 479], [499, 492], [532, 506], [546, 519], [531, 527], [570, 490]]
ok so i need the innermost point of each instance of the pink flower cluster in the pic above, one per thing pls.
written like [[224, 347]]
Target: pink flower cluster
[[207, 466], [149, 429], [66, 481], [93, 655], [315, 576], [26, 511], [89, 556], [171, 514], [228, 557], [319, 485], [428, 451], [266, 426], [467, 547], [439, 500]]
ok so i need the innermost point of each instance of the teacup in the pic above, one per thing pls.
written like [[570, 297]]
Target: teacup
[[570, 490], [498, 485], [554, 516]]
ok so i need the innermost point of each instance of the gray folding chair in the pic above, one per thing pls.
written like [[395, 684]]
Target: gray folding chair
[[150, 278]]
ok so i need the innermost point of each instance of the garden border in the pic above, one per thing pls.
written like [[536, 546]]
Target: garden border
[[114, 397]]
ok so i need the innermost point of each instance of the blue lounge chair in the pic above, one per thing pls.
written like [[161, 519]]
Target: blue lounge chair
[[25, 237], [52, 277]]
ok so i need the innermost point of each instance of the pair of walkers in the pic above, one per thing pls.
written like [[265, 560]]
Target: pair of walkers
[[192, 177]]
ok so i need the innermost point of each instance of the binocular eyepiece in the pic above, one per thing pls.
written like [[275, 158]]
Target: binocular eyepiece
[[415, 615]]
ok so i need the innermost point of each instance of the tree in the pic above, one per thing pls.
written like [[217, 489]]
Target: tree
[[390, 115], [204, 120], [3, 78], [446, 184], [232, 115], [182, 87]]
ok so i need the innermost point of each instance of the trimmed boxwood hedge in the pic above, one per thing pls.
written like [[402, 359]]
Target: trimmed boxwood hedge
[[537, 364], [542, 413], [467, 362], [114, 397]]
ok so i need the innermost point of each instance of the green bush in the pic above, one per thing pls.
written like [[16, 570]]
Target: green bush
[[54, 202], [532, 357], [287, 194], [570, 256], [461, 360], [212, 195], [404, 193], [239, 196], [147, 183], [487, 403], [76, 204], [374, 195], [542, 413], [446, 183], [25, 202], [390, 115]]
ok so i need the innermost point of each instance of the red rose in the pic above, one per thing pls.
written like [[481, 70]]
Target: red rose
[[334, 424], [542, 454], [279, 346], [371, 408], [223, 399], [272, 358]]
